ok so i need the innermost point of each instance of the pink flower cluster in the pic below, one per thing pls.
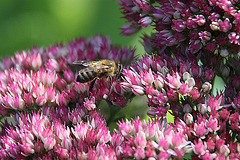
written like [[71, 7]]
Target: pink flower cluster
[[46, 136], [211, 123], [151, 139], [194, 40], [46, 114], [207, 23], [165, 82], [55, 116], [210, 29], [44, 76], [60, 117]]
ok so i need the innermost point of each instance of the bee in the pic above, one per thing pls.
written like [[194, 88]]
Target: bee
[[97, 69]]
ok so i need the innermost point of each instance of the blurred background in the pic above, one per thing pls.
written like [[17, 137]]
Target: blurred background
[[26, 23]]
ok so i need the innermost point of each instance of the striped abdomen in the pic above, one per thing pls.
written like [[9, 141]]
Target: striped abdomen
[[86, 75]]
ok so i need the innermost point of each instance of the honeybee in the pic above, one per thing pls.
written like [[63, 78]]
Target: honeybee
[[97, 69]]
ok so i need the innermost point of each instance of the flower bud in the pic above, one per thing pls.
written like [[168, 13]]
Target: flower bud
[[199, 147], [209, 74], [126, 86], [206, 86], [158, 82], [204, 35], [68, 75], [188, 118], [225, 70], [202, 108], [187, 108], [138, 90], [117, 88], [194, 94], [186, 76], [183, 69], [89, 104], [145, 22], [225, 25], [191, 82], [143, 4], [129, 29], [200, 20], [195, 70], [147, 77], [172, 94], [52, 65], [214, 26], [224, 52], [184, 89]]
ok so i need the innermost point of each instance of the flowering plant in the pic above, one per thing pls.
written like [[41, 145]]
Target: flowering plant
[[46, 113]]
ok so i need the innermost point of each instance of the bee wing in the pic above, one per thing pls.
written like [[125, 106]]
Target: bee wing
[[88, 69], [85, 63], [102, 67], [93, 68]]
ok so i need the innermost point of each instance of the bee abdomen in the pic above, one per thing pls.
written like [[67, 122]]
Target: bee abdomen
[[86, 76]]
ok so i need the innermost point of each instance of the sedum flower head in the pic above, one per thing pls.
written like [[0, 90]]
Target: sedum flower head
[[150, 139], [34, 78], [184, 87], [208, 29], [47, 114], [47, 135], [163, 81]]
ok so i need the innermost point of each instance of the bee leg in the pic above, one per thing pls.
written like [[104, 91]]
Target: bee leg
[[110, 91], [120, 76], [92, 84]]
